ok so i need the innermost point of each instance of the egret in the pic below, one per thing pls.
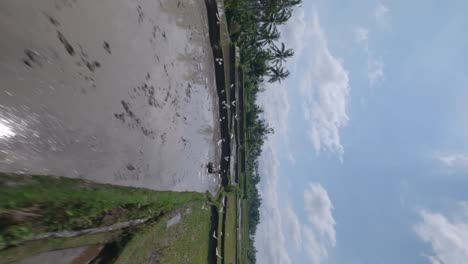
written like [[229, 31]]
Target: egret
[[226, 158], [234, 103], [214, 235], [217, 254]]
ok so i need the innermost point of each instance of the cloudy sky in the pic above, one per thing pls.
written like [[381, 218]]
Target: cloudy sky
[[369, 163]]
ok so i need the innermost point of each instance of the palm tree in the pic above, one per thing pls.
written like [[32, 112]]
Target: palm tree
[[268, 35], [277, 74], [279, 55]]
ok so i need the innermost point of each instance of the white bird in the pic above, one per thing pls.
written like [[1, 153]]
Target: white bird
[[217, 254], [221, 233], [233, 103], [221, 210], [222, 91], [220, 141], [217, 17], [214, 235], [232, 85], [226, 158], [235, 116], [232, 136]]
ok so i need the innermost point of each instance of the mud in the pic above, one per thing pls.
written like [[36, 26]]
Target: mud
[[89, 87]]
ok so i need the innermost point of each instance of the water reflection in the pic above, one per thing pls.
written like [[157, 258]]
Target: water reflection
[[5, 129]]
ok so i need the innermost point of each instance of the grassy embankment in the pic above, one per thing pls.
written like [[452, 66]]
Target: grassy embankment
[[227, 231], [34, 205]]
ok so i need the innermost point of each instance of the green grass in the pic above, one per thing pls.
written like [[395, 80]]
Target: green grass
[[244, 226], [57, 203], [32, 248], [186, 242], [230, 236]]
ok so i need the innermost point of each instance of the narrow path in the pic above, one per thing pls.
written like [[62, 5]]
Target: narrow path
[[74, 233]]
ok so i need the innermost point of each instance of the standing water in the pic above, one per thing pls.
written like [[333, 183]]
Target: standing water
[[113, 91]]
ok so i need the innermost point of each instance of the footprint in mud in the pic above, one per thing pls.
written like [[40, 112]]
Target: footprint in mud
[[141, 15], [92, 65], [130, 167], [163, 138], [66, 44], [184, 141], [107, 47], [136, 121], [148, 92], [32, 57], [52, 20], [188, 91]]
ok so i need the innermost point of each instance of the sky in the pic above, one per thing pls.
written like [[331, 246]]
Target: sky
[[369, 160]]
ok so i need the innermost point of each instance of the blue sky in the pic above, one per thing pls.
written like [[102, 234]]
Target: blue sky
[[369, 162]]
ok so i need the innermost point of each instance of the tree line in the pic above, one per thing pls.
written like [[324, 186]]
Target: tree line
[[254, 27]]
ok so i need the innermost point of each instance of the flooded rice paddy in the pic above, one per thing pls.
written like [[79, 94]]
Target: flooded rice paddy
[[113, 91]]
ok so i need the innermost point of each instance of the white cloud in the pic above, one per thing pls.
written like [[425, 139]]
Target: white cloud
[[380, 13], [270, 240], [375, 66], [294, 31], [319, 233], [324, 93], [274, 101], [361, 36], [453, 160], [375, 70], [281, 229], [293, 227], [448, 237], [319, 208]]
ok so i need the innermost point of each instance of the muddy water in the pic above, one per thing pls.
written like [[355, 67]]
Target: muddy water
[[115, 91]]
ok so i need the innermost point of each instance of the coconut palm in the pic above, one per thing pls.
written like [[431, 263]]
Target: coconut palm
[[279, 55], [277, 74]]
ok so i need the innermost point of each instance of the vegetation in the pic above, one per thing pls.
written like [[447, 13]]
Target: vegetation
[[183, 242], [230, 233], [30, 248], [32, 205], [253, 26]]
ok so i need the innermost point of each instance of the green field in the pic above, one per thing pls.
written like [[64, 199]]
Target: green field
[[184, 242], [230, 234], [31, 206]]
